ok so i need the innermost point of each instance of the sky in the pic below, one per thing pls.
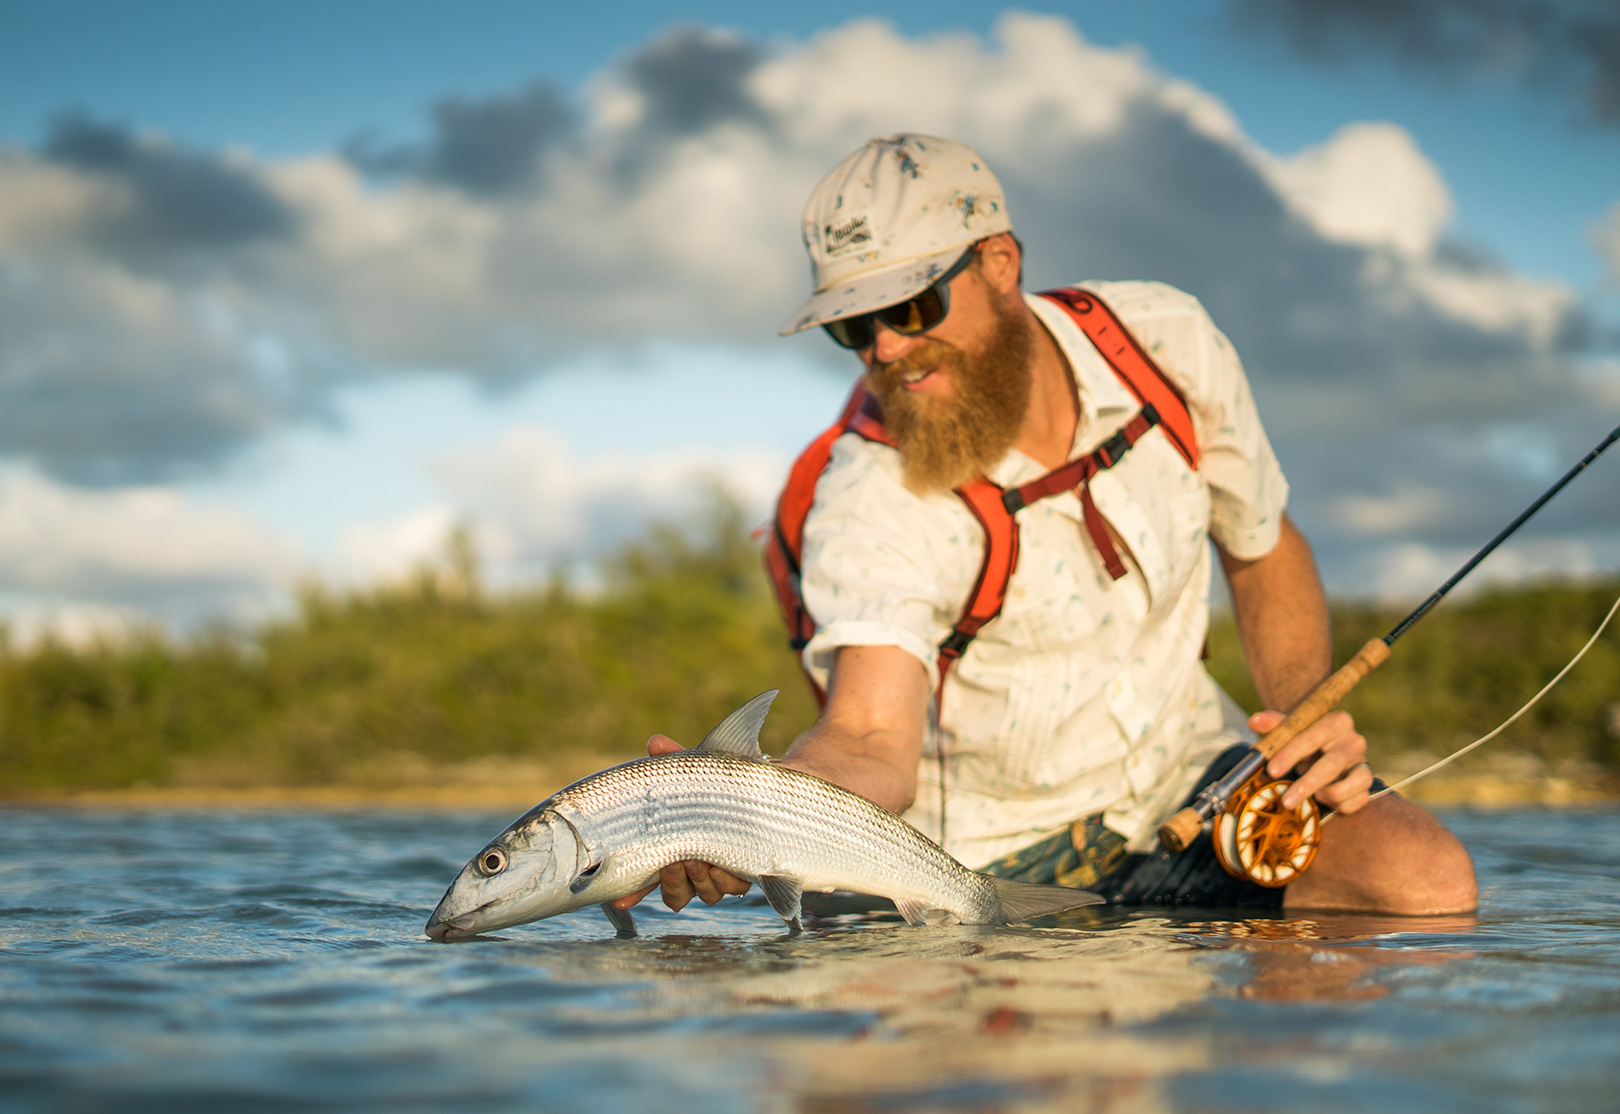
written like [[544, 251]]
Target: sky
[[288, 292]]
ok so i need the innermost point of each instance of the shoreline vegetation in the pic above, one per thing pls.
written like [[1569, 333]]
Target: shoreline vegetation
[[436, 693]]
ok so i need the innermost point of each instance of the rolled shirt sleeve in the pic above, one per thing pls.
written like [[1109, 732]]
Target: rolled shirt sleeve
[[1248, 492], [882, 566]]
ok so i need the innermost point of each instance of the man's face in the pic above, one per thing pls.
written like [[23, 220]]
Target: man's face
[[954, 397]]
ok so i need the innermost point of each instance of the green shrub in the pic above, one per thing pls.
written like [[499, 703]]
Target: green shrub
[[437, 672], [1469, 665]]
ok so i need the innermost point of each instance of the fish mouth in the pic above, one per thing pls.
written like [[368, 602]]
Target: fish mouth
[[450, 928]]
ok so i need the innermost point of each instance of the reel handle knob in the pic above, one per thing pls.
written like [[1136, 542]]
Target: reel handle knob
[[1177, 833]]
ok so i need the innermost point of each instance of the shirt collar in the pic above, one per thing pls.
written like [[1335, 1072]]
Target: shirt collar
[[1102, 396], [1101, 392]]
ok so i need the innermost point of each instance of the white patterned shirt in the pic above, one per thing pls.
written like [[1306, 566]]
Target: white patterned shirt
[[1086, 694]]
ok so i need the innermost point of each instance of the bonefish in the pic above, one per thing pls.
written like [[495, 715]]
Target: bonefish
[[725, 803]]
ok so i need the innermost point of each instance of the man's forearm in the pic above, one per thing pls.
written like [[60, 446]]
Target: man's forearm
[[1282, 618], [875, 767], [869, 738]]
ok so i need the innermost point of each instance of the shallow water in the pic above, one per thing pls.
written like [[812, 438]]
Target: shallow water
[[274, 962]]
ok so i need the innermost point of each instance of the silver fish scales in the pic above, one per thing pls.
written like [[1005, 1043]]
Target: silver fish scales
[[722, 802]]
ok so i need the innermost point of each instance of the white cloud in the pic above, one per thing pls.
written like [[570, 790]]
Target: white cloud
[[1606, 239], [1496, 301], [88, 564], [78, 624], [144, 335], [1397, 513], [534, 502], [1410, 571], [1369, 185], [136, 547], [1601, 378], [392, 549], [644, 225]]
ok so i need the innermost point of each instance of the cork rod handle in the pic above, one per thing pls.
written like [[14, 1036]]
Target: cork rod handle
[[1325, 697], [1177, 833]]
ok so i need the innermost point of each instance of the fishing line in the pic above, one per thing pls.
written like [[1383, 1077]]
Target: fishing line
[[1509, 722], [1238, 790]]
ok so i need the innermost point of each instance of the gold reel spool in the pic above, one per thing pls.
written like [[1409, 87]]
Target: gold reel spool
[[1256, 838]]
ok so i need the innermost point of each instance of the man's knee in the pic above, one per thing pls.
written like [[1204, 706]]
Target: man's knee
[[1391, 857], [1439, 872]]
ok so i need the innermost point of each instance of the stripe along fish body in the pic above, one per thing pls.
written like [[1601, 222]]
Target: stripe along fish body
[[723, 802]]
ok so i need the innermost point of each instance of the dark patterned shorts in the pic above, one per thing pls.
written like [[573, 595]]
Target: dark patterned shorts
[[1090, 857]]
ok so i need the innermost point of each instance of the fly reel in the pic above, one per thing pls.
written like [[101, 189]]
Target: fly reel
[[1256, 838]]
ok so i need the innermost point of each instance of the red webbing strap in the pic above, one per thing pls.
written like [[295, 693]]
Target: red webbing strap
[[1133, 366], [986, 503], [1068, 476], [784, 547], [785, 542], [793, 505], [984, 500], [1078, 473], [1097, 527], [866, 419]]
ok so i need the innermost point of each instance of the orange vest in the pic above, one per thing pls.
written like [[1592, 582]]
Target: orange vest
[[992, 505]]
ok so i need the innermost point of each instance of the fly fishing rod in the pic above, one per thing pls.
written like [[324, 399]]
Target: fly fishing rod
[[1254, 836]]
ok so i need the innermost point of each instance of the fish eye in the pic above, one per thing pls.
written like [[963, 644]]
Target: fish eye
[[492, 860]]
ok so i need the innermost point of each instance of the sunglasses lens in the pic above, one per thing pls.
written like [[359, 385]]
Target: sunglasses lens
[[851, 332], [910, 317], [918, 314]]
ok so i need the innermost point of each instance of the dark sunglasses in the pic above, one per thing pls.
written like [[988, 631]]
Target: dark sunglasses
[[910, 317]]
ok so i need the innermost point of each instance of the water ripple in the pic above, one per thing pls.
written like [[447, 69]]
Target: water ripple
[[274, 962]]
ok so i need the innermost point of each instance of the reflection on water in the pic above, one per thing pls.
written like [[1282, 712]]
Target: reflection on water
[[1287, 962], [274, 962]]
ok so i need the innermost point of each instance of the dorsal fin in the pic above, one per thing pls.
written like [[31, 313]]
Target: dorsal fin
[[738, 733]]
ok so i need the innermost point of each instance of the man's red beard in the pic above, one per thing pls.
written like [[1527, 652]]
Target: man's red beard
[[944, 443]]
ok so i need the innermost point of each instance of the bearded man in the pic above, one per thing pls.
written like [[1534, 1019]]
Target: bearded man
[[1082, 716]]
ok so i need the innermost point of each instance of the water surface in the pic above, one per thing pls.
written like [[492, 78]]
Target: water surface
[[273, 961]]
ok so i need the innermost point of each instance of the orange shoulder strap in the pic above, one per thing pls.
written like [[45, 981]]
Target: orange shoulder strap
[[1134, 367], [987, 503], [785, 542], [784, 546]]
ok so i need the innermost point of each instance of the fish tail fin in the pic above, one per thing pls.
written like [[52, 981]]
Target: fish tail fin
[[1023, 901]]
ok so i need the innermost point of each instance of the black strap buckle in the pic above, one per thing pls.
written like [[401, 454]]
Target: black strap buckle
[[1113, 450], [955, 642]]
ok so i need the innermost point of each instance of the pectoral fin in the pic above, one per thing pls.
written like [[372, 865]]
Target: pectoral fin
[[784, 894], [915, 912], [624, 925], [585, 877]]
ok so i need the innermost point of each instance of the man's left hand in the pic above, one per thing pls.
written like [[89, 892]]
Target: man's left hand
[[1332, 758], [689, 878]]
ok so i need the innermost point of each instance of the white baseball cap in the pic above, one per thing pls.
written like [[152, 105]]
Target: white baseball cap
[[889, 220]]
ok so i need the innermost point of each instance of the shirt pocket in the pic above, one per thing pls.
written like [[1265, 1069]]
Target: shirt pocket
[[1158, 508]]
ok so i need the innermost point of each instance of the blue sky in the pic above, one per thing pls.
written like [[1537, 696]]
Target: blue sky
[[271, 366], [1527, 170]]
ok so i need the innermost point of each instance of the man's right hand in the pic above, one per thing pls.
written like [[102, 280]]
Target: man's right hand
[[690, 878], [868, 740]]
